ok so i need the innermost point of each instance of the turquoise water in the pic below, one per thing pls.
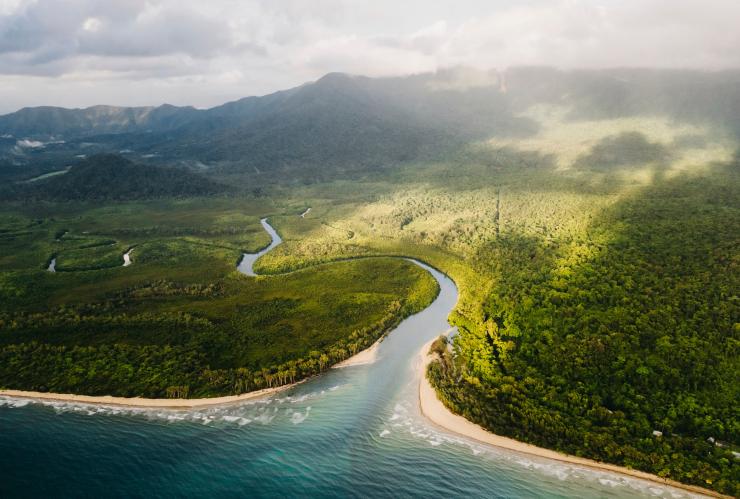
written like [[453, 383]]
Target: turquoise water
[[351, 432]]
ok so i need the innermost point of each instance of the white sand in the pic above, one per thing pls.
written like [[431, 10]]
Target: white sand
[[435, 411], [144, 402], [367, 356]]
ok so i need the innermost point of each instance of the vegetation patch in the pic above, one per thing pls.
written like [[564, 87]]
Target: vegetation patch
[[182, 322]]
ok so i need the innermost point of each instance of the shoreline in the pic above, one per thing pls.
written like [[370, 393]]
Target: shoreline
[[142, 402], [367, 356], [363, 357], [434, 411]]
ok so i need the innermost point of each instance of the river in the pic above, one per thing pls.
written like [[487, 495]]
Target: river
[[248, 259], [351, 432]]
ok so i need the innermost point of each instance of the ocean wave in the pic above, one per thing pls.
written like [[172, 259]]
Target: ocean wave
[[418, 427], [29, 144], [298, 418], [236, 413], [11, 402]]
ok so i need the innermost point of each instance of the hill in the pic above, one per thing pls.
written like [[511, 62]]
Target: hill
[[112, 177], [342, 123]]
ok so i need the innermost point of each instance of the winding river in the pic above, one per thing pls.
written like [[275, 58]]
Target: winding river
[[351, 432], [248, 259]]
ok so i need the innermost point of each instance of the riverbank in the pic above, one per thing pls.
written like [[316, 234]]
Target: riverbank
[[435, 411], [367, 356]]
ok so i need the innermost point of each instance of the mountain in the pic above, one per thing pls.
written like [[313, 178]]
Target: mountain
[[112, 177], [342, 122], [57, 122], [337, 121]]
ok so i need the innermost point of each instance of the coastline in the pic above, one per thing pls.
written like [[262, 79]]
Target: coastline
[[435, 412], [141, 402], [367, 356]]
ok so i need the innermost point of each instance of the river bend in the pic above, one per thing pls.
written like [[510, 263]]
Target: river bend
[[350, 432]]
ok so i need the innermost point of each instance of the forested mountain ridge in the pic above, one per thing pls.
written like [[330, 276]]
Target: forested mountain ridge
[[112, 177], [332, 122], [47, 121], [345, 123], [455, 98]]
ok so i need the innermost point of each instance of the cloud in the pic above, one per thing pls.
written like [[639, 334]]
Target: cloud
[[42, 33], [198, 52]]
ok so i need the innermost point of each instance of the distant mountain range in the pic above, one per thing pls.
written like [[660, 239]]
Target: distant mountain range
[[48, 122], [343, 122]]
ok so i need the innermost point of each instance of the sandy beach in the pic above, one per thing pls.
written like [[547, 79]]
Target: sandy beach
[[435, 411], [142, 402], [367, 356]]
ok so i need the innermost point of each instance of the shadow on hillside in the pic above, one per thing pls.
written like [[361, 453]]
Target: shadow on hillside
[[592, 347]]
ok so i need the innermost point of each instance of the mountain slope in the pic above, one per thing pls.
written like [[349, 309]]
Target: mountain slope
[[335, 121], [112, 177], [343, 122]]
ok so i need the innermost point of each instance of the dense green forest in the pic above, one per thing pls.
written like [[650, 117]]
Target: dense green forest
[[111, 177], [598, 293], [590, 220], [592, 352], [181, 321]]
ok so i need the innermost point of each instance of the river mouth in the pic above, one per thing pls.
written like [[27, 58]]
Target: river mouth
[[355, 431]]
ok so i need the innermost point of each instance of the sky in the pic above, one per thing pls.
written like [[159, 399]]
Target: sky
[[77, 53]]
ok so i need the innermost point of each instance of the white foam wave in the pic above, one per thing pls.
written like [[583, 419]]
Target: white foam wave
[[610, 483], [574, 472], [14, 403], [29, 144], [241, 414], [298, 418], [420, 428]]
